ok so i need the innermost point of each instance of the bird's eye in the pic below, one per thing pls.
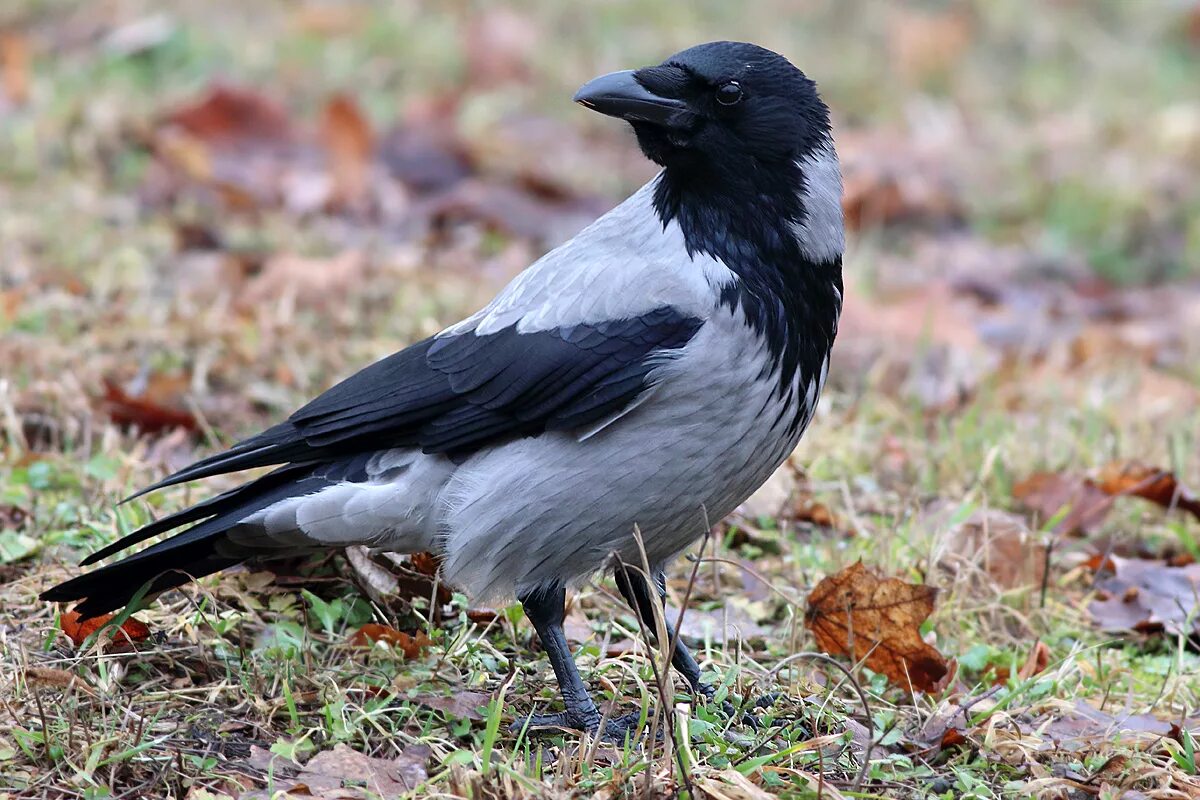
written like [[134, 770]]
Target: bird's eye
[[729, 93]]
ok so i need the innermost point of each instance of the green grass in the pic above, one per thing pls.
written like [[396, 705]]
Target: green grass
[[1038, 122]]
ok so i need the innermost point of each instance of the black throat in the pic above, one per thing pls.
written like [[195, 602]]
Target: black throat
[[746, 220]]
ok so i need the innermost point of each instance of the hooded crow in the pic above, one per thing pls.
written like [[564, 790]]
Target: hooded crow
[[650, 373]]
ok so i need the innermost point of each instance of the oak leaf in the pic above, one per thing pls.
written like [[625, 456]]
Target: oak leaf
[[877, 620]]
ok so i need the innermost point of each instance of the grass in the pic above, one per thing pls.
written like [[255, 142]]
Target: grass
[[248, 677]]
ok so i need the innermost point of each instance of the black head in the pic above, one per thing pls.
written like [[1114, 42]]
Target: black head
[[751, 178], [721, 107]]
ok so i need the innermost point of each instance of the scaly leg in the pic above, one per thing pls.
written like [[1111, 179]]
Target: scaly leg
[[545, 609]]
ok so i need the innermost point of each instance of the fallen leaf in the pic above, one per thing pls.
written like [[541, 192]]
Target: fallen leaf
[[999, 543], [499, 41], [1084, 725], [14, 67], [859, 614], [506, 209], [306, 281], [1146, 596], [1149, 483], [1036, 662], [1048, 494], [481, 616], [56, 678], [325, 19], [233, 114], [374, 577], [889, 177], [460, 705], [947, 726], [130, 632], [425, 563], [146, 411], [344, 773], [350, 142], [925, 44], [411, 645], [425, 158]]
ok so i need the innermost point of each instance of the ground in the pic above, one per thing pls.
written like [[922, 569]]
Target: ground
[[210, 212]]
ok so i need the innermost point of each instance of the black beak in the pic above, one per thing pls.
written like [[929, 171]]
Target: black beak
[[618, 94]]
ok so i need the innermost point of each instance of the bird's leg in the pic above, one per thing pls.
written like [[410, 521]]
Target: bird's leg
[[545, 608], [634, 588]]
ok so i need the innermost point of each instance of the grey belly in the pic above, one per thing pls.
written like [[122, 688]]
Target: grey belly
[[557, 508]]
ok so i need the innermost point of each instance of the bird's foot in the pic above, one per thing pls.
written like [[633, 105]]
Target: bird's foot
[[616, 730]]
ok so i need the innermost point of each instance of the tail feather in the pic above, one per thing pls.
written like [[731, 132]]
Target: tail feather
[[200, 550], [112, 587], [266, 449], [228, 503]]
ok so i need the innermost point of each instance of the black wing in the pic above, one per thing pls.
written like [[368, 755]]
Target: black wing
[[456, 394]]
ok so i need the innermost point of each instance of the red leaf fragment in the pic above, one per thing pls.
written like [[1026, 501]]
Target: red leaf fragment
[[143, 412], [412, 645], [129, 633]]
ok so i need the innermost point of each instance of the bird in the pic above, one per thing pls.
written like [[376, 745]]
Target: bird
[[628, 388]]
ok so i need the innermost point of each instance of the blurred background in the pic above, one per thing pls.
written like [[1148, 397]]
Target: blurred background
[[211, 210], [219, 207]]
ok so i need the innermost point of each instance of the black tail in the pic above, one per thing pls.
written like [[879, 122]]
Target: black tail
[[112, 587], [199, 550]]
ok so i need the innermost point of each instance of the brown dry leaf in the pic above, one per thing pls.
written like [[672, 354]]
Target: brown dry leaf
[[425, 563], [350, 142], [344, 773], [928, 44], [999, 543], [1141, 480], [460, 705], [860, 614], [233, 115], [379, 583], [1047, 494], [506, 209], [154, 410], [327, 19], [498, 44], [1081, 728], [10, 303], [1146, 596], [888, 177], [54, 677], [14, 67], [1036, 662], [123, 639], [412, 645], [307, 281]]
